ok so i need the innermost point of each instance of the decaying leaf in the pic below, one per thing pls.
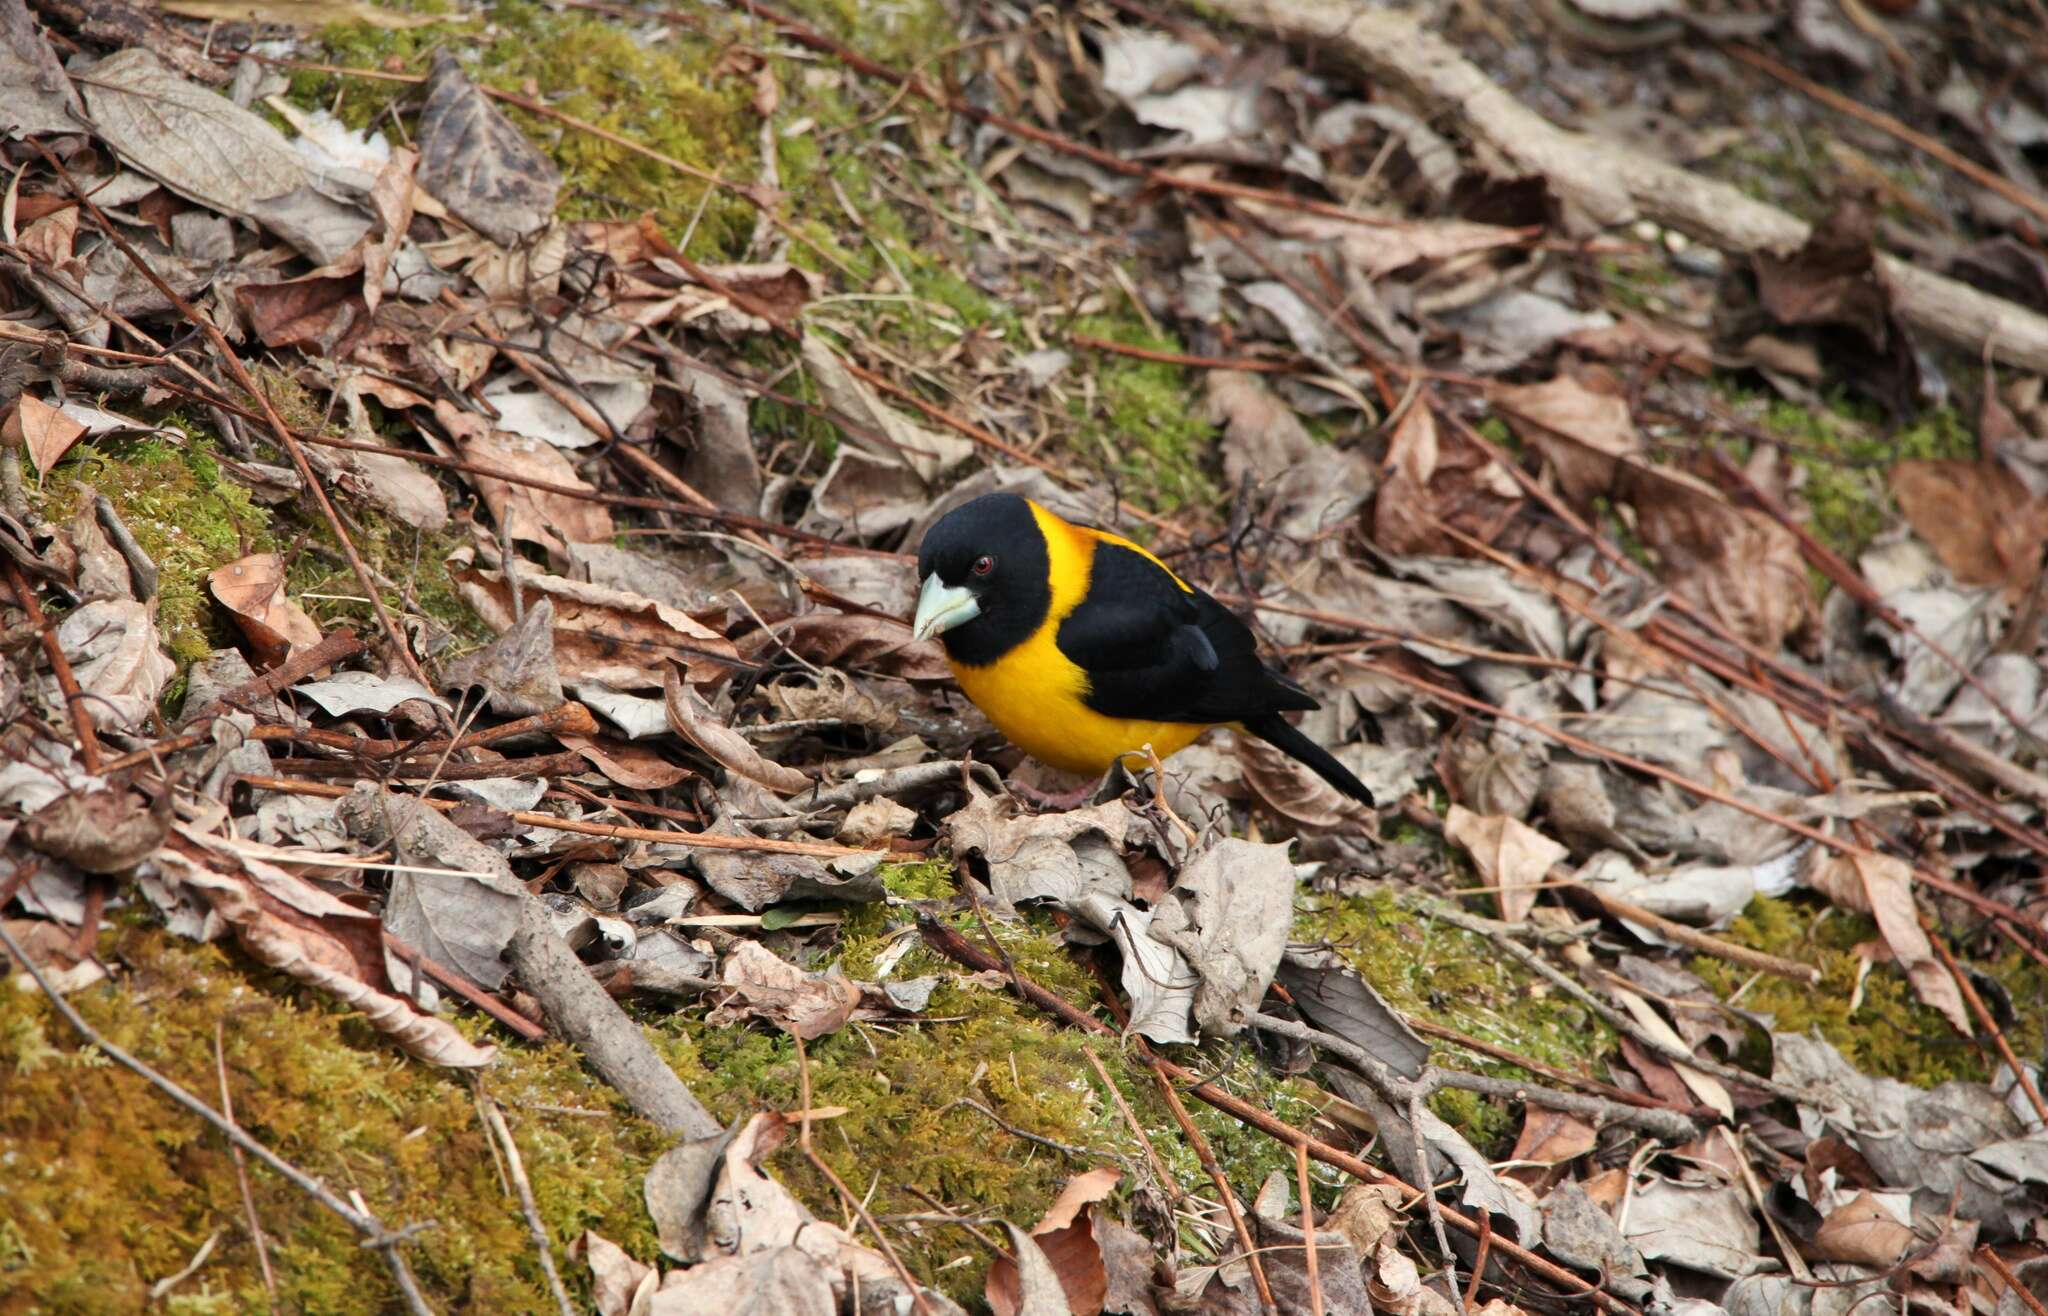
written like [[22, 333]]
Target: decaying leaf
[[1987, 528], [693, 719], [605, 636], [1882, 887], [100, 831], [1584, 434], [477, 163], [35, 96], [1509, 854], [765, 986], [1230, 915], [333, 947], [117, 658], [539, 516], [45, 431], [1065, 1237], [517, 669], [1862, 1231], [252, 588], [929, 452], [1738, 563]]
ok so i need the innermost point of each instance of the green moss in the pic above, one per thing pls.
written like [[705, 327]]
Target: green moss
[[1145, 422], [184, 512], [109, 1186], [1846, 454], [1450, 977], [930, 879], [1881, 1028], [669, 95]]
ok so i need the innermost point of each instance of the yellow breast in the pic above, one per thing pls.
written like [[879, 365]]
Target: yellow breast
[[1034, 692]]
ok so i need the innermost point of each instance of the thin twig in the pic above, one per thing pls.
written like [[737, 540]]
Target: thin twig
[[1984, 1017], [1207, 1157], [1308, 1232], [60, 666], [375, 1235], [227, 1110], [534, 1224], [2012, 1281], [1167, 1183], [803, 1140]]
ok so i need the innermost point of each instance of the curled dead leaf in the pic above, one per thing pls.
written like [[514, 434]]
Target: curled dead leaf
[[693, 719], [252, 588]]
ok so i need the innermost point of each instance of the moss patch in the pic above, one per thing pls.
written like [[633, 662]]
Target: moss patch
[[1450, 977], [109, 1186], [187, 515], [1881, 1028]]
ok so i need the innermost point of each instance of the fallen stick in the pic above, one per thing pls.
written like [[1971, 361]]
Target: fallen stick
[[611, 831], [1614, 183]]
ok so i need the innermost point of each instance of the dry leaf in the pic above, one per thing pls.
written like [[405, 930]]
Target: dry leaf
[[692, 719], [476, 162], [1882, 887], [38, 97], [301, 931], [766, 986], [1509, 854], [252, 588], [1584, 434], [1862, 1232], [45, 431], [101, 831], [1066, 1236], [1979, 519], [536, 515], [1736, 562], [606, 636], [855, 640]]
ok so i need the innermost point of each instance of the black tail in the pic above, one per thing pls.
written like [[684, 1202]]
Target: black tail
[[1280, 733]]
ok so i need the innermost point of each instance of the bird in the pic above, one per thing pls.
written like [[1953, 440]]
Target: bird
[[1083, 648]]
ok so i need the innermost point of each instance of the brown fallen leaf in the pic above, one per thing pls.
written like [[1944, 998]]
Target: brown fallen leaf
[[1584, 434], [316, 314], [1737, 563], [693, 719], [46, 432], [535, 515], [101, 831], [1862, 1232], [615, 1277], [1549, 1138], [1296, 792], [1882, 887], [252, 588], [1509, 854], [476, 162], [608, 636], [636, 767], [854, 640], [766, 986], [1984, 525], [517, 669], [299, 930], [1066, 1236]]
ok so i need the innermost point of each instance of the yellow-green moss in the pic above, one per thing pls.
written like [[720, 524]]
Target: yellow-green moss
[[668, 95], [109, 1187], [184, 512], [1430, 970], [1887, 1032], [1146, 424]]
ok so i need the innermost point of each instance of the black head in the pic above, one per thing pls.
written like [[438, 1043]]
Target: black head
[[985, 573]]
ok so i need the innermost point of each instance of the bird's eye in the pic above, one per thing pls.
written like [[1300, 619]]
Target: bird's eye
[[983, 565]]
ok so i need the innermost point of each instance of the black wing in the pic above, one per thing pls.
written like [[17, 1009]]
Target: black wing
[[1153, 650]]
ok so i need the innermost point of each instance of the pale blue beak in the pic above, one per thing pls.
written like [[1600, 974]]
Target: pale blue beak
[[941, 607]]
